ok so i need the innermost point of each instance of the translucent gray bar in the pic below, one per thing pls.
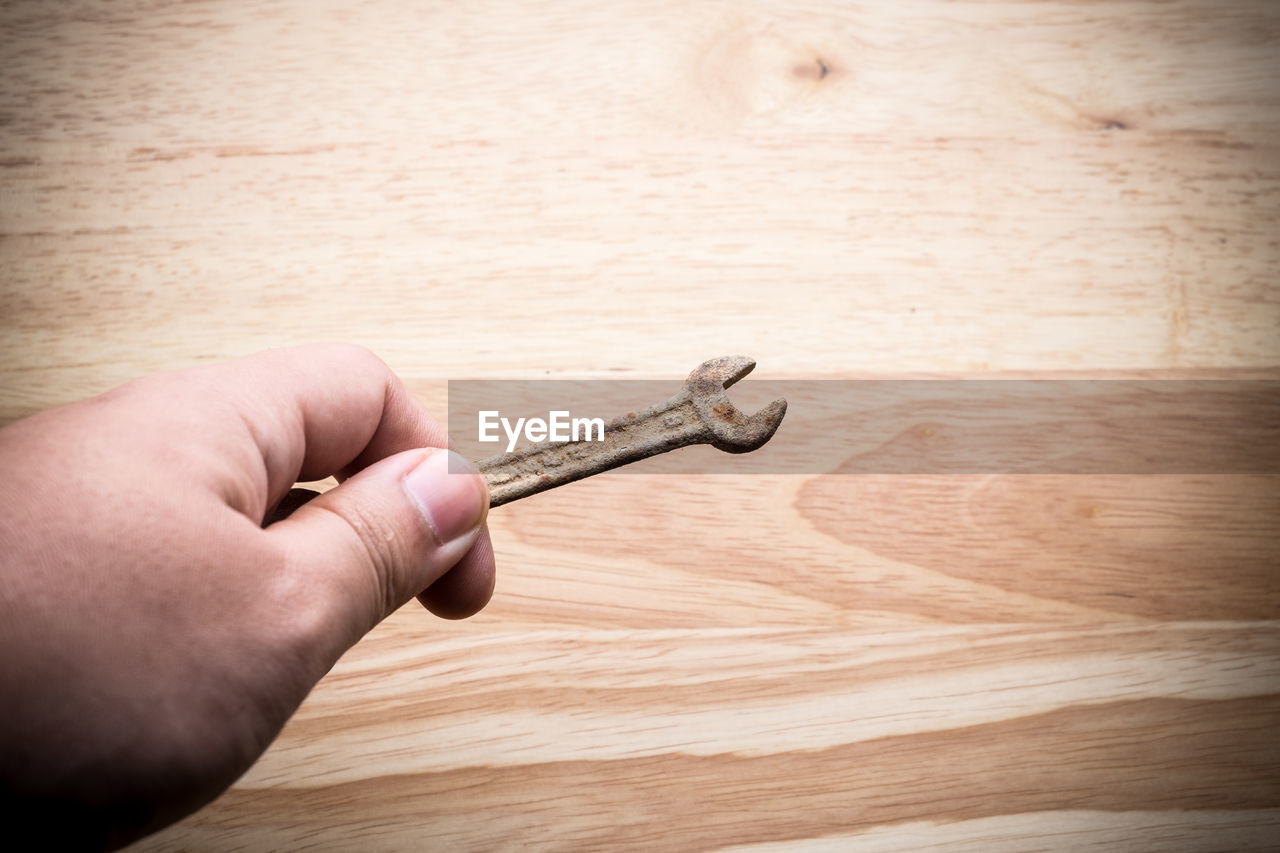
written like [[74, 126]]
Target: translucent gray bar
[[927, 426]]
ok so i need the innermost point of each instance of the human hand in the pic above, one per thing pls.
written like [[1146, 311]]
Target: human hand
[[154, 637]]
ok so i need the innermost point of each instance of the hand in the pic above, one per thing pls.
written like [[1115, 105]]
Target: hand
[[154, 637]]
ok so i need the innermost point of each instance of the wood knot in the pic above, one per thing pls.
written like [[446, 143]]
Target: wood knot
[[816, 70]]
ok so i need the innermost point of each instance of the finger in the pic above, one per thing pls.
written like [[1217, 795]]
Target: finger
[[387, 533], [308, 412], [345, 406], [466, 588]]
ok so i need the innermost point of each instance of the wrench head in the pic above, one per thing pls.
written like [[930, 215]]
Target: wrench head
[[733, 431]]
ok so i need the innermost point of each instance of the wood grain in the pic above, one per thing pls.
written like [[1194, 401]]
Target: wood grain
[[573, 189]]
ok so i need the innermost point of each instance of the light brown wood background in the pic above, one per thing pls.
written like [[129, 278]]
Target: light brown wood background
[[591, 189]]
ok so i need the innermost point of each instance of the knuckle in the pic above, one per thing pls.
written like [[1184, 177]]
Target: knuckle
[[385, 546], [358, 353], [300, 615]]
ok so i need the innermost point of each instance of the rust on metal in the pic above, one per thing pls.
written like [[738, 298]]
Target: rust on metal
[[700, 414]]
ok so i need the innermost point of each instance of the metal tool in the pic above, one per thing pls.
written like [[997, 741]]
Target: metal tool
[[700, 414]]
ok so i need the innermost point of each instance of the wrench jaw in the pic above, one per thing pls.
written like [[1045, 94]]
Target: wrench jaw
[[731, 430], [723, 371]]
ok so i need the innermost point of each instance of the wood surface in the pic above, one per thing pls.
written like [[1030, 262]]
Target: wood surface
[[497, 189]]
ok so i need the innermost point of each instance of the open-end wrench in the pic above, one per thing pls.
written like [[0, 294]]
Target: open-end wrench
[[700, 414]]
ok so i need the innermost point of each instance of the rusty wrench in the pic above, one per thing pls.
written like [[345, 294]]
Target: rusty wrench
[[700, 414]]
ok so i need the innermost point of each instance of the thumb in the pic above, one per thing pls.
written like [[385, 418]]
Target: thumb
[[386, 533]]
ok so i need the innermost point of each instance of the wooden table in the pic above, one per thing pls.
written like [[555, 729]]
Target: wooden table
[[584, 189]]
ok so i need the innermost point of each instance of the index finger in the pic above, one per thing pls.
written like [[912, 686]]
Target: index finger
[[316, 410]]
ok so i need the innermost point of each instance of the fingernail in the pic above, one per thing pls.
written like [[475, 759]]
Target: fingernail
[[449, 494]]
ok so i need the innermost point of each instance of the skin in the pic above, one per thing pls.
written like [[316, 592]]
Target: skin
[[154, 636]]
